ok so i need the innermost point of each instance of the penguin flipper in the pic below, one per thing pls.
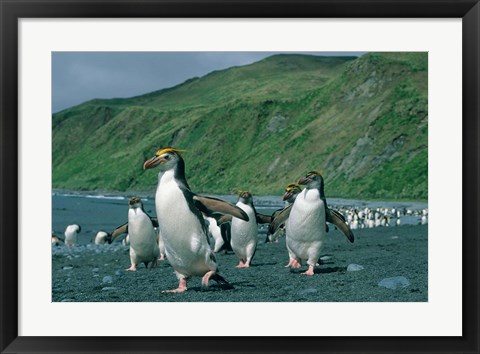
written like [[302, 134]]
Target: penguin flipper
[[154, 222], [120, 230], [210, 206], [338, 220], [222, 219], [279, 220], [263, 219]]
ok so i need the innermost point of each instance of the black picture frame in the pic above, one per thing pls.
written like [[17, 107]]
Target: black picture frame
[[12, 11]]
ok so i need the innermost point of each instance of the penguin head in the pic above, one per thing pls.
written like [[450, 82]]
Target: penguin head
[[135, 202], [166, 159], [245, 197], [291, 192], [312, 179]]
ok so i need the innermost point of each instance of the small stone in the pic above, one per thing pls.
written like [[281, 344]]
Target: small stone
[[68, 300], [119, 273], [325, 258], [354, 267], [394, 282], [108, 288], [67, 268], [394, 237], [95, 270], [107, 279]]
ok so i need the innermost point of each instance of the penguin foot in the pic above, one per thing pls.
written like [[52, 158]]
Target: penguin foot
[[240, 265], [293, 264], [309, 271], [131, 269], [243, 265], [162, 257], [206, 278], [182, 286]]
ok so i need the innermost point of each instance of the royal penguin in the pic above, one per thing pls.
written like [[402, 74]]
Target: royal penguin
[[142, 235], [71, 233], [279, 217], [180, 216], [215, 232], [245, 233], [291, 192], [305, 227], [101, 237], [56, 240]]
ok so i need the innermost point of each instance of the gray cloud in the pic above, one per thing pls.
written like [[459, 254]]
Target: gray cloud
[[81, 76]]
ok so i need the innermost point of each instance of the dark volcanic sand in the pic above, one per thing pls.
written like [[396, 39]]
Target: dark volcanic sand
[[96, 273]]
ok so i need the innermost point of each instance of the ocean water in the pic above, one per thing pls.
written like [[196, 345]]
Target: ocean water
[[95, 212]]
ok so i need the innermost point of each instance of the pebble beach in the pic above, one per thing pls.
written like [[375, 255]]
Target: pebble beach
[[384, 264]]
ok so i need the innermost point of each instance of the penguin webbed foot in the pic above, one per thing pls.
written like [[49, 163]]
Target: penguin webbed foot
[[182, 287], [310, 270], [293, 264]]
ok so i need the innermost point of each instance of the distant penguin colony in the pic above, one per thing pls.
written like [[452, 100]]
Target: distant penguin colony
[[190, 229]]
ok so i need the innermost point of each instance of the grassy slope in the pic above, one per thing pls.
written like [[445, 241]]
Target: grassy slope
[[362, 122]]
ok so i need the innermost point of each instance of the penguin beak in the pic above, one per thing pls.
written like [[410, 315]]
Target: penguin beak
[[287, 195], [303, 181], [153, 162]]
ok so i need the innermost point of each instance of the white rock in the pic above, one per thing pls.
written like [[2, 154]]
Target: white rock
[[394, 282], [107, 288], [354, 267], [107, 279]]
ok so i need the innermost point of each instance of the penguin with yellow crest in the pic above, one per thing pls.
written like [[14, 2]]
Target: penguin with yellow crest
[[180, 216]]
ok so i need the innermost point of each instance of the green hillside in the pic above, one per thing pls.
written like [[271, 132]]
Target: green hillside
[[362, 121]]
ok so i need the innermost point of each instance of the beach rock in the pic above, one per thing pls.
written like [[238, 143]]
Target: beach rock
[[354, 267], [95, 270], [107, 279], [394, 282], [68, 300], [119, 273], [325, 258], [67, 268], [108, 288]]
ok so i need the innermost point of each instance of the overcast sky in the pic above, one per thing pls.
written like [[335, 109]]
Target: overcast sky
[[81, 76]]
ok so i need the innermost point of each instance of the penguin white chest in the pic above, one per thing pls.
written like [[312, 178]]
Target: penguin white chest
[[140, 229], [306, 225], [185, 240], [244, 233]]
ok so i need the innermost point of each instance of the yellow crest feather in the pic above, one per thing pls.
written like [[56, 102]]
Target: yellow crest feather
[[169, 149], [292, 187]]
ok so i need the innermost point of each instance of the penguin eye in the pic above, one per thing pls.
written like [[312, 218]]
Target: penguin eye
[[167, 157]]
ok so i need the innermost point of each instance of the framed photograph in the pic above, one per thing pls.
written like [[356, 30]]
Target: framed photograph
[[371, 105]]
